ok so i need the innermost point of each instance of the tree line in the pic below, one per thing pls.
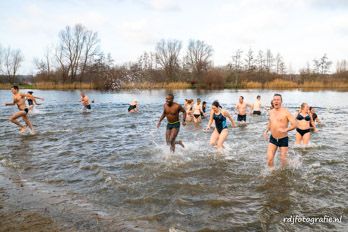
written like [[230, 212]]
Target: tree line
[[77, 58]]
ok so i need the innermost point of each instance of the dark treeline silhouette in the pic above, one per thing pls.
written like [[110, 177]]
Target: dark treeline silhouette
[[77, 58]]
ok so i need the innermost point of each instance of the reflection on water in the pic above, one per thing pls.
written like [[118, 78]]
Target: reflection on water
[[109, 169]]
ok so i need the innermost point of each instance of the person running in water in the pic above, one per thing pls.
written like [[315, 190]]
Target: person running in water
[[171, 110], [314, 117], [32, 100], [220, 132], [279, 119], [304, 120], [241, 108], [19, 100], [85, 101], [197, 112], [133, 106], [256, 107]]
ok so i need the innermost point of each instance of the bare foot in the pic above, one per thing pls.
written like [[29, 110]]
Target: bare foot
[[180, 143], [23, 129], [32, 132]]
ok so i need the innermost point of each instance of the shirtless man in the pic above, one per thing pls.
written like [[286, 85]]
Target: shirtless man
[[19, 100], [171, 110], [279, 119], [85, 101], [256, 107], [241, 108]]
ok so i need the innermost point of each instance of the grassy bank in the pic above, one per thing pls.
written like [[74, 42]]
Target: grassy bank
[[275, 84]]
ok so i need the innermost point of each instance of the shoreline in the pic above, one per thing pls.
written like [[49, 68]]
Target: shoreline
[[273, 85]]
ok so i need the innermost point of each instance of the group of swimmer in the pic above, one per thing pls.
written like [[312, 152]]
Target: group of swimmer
[[278, 122]]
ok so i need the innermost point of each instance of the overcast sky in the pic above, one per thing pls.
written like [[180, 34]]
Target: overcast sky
[[300, 30]]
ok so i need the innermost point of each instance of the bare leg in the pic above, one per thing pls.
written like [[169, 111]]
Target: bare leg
[[26, 120], [222, 138], [14, 120], [173, 133], [271, 150], [298, 138], [306, 137], [167, 136], [214, 137], [283, 155]]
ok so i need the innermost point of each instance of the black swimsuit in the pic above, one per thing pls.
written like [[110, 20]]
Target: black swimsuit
[[307, 118], [131, 107], [220, 122], [30, 102]]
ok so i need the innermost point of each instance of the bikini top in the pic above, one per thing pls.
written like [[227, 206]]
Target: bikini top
[[300, 117]]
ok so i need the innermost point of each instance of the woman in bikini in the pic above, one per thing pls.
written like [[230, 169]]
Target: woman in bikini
[[304, 120]]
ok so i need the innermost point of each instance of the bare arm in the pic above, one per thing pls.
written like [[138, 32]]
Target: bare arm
[[210, 119], [184, 115], [313, 123], [292, 120], [161, 118], [11, 104], [228, 115], [268, 128]]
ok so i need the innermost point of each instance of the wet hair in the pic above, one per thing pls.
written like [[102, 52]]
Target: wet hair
[[170, 95], [204, 102], [242, 97], [30, 92], [258, 96], [198, 99], [15, 87], [278, 95], [216, 104], [303, 105]]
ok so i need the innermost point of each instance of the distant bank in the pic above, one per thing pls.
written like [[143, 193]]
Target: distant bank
[[275, 84]]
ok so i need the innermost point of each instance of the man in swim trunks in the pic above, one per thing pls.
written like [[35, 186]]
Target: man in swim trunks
[[241, 108], [85, 101], [19, 100], [171, 110], [279, 119], [256, 107]]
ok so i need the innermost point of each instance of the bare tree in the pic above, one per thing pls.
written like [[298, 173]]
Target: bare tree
[[269, 61], [44, 65], [342, 66], [322, 65], [90, 49], [260, 61], [12, 62], [279, 64], [77, 47], [198, 57], [237, 61], [250, 61], [167, 56]]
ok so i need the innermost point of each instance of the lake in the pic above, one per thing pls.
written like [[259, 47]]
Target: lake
[[108, 170]]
